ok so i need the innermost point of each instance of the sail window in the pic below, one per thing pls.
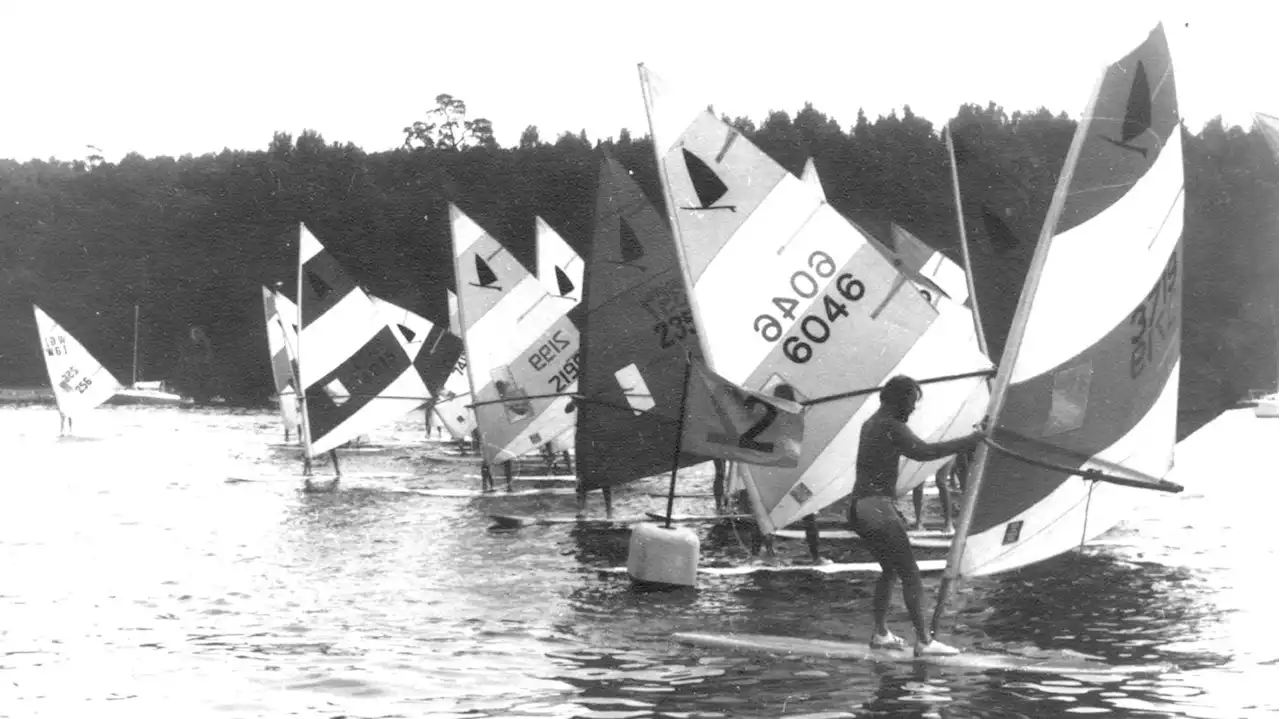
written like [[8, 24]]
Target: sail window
[[1012, 532], [634, 389], [1070, 399]]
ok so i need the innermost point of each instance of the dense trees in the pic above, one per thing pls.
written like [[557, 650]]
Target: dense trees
[[190, 239]]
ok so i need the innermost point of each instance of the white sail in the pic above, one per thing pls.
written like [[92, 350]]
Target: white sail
[[433, 350], [355, 371], [1088, 379], [282, 369], [79, 381], [522, 349], [559, 267], [784, 289], [452, 405]]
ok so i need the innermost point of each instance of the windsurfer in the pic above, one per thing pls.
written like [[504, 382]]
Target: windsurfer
[[949, 478], [884, 439]]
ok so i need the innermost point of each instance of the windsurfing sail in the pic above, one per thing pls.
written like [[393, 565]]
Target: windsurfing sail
[[522, 349], [559, 267], [933, 273], [278, 320], [725, 421], [1088, 381], [79, 381], [452, 405], [1269, 126], [354, 369], [639, 327], [785, 290], [432, 349]]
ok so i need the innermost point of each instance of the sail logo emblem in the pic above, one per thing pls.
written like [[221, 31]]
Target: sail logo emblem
[[800, 493], [485, 277], [1012, 532], [1137, 114]]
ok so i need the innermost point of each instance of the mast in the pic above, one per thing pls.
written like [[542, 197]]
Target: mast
[[1017, 331], [135, 344], [964, 244], [302, 387]]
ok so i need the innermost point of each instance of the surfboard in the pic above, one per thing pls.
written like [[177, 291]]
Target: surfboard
[[924, 538], [926, 566], [684, 495], [970, 659], [660, 517], [319, 478], [499, 478], [459, 493], [515, 521]]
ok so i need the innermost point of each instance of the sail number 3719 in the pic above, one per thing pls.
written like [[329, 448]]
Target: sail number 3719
[[815, 329]]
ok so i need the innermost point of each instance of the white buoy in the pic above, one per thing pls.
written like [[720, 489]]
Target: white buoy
[[662, 555]]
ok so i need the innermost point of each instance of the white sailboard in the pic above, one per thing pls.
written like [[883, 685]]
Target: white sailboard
[[784, 289], [80, 382], [522, 349]]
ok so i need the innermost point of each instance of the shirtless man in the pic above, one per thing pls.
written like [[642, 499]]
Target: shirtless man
[[885, 438]]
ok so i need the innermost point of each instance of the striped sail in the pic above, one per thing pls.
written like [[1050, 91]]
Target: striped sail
[[933, 273], [452, 406], [1089, 377], [786, 290], [282, 370], [639, 327], [1269, 126], [522, 349], [79, 381], [354, 369], [433, 351], [559, 267]]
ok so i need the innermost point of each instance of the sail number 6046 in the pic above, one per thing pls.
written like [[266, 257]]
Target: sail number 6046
[[813, 327]]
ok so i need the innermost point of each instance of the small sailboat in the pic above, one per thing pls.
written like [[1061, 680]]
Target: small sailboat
[[79, 381], [146, 392], [786, 291], [1083, 412], [522, 348]]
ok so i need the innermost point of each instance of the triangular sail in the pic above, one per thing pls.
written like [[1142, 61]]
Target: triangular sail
[[786, 290], [559, 267], [451, 406], [79, 381], [522, 349], [1089, 377], [355, 370], [432, 349], [639, 328], [282, 368], [1269, 126]]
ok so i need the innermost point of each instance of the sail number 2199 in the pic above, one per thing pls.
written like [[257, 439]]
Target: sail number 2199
[[813, 326]]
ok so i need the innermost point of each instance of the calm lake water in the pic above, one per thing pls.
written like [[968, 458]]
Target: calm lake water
[[135, 581]]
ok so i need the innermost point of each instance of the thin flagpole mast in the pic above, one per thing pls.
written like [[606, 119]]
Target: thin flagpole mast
[[302, 387], [1016, 332], [964, 244], [675, 457]]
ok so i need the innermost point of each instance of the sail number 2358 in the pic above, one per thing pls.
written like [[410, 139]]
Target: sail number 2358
[[815, 327]]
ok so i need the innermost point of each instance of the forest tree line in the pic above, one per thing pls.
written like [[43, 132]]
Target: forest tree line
[[190, 240]]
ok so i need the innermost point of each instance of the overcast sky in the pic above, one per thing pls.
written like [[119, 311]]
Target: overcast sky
[[169, 78]]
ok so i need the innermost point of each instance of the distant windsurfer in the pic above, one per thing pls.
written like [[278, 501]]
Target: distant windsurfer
[[884, 439], [949, 478]]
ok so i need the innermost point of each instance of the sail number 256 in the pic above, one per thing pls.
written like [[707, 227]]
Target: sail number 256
[[813, 326]]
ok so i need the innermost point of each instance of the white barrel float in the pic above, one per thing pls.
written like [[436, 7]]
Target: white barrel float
[[662, 555]]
